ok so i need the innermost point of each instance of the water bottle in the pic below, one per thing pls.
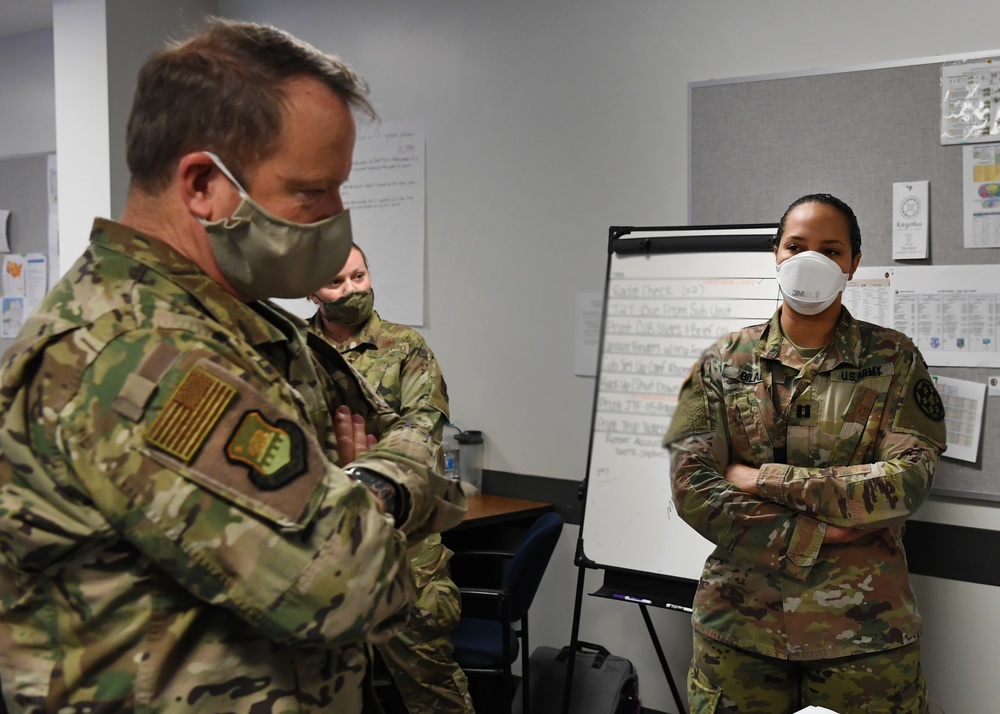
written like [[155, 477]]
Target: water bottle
[[449, 445], [470, 446]]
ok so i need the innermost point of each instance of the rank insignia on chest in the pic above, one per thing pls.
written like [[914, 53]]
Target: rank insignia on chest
[[803, 412], [190, 414], [275, 453]]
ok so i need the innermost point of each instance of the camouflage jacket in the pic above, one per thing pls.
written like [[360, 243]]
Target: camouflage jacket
[[174, 533], [851, 438], [397, 363]]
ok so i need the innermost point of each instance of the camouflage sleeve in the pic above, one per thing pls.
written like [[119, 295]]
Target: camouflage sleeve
[[754, 529], [405, 453], [423, 394], [909, 437], [422, 415], [213, 471]]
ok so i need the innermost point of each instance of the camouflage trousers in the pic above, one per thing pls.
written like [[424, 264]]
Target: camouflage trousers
[[727, 680], [420, 657]]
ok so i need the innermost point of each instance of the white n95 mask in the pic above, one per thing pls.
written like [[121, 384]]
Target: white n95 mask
[[810, 282], [263, 256]]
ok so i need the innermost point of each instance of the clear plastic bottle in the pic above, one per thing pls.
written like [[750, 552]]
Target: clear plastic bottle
[[449, 445], [470, 446]]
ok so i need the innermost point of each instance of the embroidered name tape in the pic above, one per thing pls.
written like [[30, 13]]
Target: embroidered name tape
[[856, 375], [751, 375]]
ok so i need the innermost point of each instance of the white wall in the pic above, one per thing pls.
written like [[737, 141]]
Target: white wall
[[547, 123], [27, 95]]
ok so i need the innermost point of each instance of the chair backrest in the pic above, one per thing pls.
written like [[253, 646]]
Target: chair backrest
[[527, 567]]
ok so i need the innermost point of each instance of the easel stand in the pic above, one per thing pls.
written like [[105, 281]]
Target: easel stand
[[663, 658], [642, 590]]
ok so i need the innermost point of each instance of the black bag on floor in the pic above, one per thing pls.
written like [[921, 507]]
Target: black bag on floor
[[602, 682]]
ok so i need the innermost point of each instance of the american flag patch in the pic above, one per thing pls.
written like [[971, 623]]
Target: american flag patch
[[190, 414]]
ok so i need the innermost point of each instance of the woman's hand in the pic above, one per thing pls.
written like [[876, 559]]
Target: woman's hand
[[742, 477], [352, 439]]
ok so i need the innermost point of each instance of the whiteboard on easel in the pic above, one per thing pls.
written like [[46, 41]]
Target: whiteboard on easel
[[670, 294]]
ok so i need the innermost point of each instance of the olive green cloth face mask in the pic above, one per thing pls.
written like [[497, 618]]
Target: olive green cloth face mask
[[354, 308], [263, 256]]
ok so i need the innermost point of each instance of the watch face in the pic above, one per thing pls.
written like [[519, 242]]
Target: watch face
[[910, 206]]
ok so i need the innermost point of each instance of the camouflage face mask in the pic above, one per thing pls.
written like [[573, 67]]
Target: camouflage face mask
[[354, 308], [263, 256]]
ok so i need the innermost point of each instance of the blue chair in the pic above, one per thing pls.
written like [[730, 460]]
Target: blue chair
[[490, 645]]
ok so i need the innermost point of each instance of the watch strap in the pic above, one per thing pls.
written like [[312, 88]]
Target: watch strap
[[393, 497]]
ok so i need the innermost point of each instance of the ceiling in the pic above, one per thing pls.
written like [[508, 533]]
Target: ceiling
[[17, 16]]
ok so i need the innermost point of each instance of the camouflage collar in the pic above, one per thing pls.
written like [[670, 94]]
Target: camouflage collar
[[845, 348], [162, 259], [371, 330]]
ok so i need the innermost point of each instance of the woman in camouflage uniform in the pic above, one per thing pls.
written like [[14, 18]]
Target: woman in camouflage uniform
[[799, 447], [399, 365]]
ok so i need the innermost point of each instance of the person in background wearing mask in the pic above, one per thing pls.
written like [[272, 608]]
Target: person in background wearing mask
[[799, 447], [398, 364], [179, 529]]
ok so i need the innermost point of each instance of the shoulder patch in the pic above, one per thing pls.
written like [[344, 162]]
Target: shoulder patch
[[928, 399], [190, 414], [691, 416], [275, 453], [252, 452]]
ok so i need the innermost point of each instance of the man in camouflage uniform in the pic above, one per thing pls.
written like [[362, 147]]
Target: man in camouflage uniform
[[800, 461], [176, 531], [399, 365]]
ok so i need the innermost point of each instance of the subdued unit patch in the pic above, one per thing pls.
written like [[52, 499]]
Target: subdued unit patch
[[275, 453], [928, 399]]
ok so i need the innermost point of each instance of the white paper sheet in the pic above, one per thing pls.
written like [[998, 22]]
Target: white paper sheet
[[968, 107], [950, 312], [910, 219], [868, 295], [963, 415], [13, 278], [24, 282], [11, 316], [386, 197], [981, 196]]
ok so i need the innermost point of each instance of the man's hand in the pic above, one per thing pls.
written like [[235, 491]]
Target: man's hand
[[742, 477], [352, 440]]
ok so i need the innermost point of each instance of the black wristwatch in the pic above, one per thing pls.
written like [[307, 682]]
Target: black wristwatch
[[393, 497]]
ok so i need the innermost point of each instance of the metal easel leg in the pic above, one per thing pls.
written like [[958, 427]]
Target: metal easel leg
[[663, 659], [573, 639]]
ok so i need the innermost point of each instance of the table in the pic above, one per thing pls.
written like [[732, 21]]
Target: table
[[488, 510]]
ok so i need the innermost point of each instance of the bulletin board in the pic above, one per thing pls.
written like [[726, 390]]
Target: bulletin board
[[758, 143], [24, 191]]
